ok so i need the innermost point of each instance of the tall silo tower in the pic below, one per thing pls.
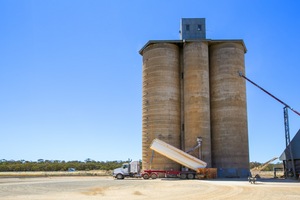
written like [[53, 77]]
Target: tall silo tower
[[228, 108], [196, 99], [195, 83], [161, 102]]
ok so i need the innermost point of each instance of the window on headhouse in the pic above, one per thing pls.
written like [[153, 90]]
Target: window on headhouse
[[187, 27], [199, 27]]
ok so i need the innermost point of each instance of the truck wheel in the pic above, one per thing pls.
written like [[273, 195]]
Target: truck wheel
[[120, 176], [183, 176], [190, 176], [153, 176], [146, 176]]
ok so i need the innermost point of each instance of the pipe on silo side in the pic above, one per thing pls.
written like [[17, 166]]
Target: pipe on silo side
[[196, 99], [161, 102], [229, 129]]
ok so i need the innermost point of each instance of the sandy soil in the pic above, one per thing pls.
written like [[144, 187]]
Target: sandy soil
[[73, 188]]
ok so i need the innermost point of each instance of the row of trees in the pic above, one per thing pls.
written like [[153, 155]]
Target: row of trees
[[57, 165], [88, 164]]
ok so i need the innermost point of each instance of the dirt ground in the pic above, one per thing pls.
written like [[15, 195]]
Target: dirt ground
[[85, 188]]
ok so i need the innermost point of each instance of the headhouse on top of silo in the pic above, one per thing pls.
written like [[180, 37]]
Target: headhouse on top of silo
[[192, 28]]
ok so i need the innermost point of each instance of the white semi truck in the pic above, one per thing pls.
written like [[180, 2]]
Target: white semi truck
[[132, 169]]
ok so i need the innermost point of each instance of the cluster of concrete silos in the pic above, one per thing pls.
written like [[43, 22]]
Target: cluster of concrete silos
[[191, 89]]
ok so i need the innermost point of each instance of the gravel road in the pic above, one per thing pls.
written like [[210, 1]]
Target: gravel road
[[85, 188]]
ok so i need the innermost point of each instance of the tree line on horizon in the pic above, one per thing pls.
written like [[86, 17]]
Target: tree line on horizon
[[57, 165], [87, 165]]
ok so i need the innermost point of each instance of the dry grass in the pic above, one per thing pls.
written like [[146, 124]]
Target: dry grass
[[58, 173], [268, 174]]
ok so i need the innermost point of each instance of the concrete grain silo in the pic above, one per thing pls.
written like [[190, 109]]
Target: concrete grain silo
[[196, 98], [191, 90], [161, 102], [228, 111]]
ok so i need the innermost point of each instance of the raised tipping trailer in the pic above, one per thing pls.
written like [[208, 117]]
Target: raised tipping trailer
[[178, 156], [197, 168]]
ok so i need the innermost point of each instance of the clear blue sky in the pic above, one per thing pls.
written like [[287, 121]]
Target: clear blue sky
[[70, 72]]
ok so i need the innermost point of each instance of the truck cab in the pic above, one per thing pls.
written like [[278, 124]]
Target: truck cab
[[121, 172], [131, 169]]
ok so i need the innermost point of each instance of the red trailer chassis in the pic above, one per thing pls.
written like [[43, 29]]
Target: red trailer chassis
[[168, 174]]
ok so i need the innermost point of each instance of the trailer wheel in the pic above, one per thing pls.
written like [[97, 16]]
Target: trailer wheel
[[153, 176], [190, 176], [183, 176], [120, 176], [146, 176]]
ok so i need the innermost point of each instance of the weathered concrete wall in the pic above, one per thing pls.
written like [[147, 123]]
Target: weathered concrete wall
[[161, 102], [228, 107], [196, 99]]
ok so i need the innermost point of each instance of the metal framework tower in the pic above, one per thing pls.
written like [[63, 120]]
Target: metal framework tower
[[286, 122]]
